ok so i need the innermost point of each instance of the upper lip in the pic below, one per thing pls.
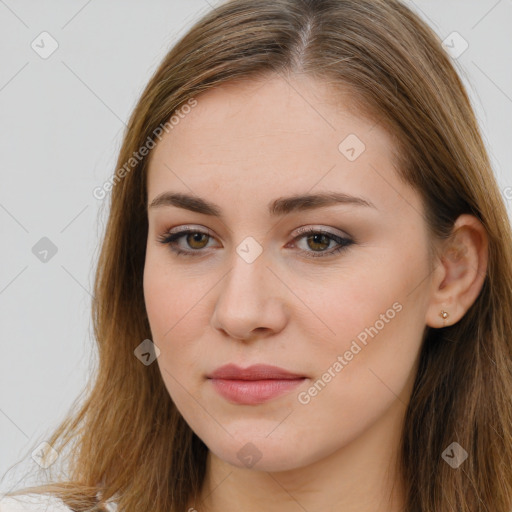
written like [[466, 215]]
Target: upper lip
[[254, 372]]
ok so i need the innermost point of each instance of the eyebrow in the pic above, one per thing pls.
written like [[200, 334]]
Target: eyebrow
[[280, 206]]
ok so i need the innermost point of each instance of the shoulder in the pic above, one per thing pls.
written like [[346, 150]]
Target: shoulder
[[32, 503]]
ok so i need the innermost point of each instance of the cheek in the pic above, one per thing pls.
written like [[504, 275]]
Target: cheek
[[376, 319], [176, 317], [168, 297], [371, 370], [359, 303]]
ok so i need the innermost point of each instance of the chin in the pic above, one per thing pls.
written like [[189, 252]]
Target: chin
[[271, 463], [262, 453]]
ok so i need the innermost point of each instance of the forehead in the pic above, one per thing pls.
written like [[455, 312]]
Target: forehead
[[263, 138]]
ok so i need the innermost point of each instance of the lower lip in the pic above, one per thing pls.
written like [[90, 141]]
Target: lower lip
[[251, 392]]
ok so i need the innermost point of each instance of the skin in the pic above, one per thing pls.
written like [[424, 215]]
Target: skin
[[242, 146]]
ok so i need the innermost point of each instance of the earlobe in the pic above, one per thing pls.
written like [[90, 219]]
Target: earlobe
[[444, 315], [459, 274]]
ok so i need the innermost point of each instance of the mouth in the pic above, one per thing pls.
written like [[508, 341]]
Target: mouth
[[253, 385]]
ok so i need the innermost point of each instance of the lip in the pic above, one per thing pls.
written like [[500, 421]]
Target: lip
[[253, 385], [254, 372]]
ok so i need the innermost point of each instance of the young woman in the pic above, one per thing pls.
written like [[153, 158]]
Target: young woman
[[304, 295]]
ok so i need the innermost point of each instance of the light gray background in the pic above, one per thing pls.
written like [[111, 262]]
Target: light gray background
[[61, 125]]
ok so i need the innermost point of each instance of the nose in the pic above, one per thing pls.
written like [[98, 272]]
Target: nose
[[251, 301]]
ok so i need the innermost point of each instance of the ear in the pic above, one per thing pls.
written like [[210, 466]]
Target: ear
[[459, 272]]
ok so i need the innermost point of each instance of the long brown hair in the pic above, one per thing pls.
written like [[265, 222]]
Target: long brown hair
[[126, 440]]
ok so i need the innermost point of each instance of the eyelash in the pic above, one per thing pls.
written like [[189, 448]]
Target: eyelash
[[170, 239]]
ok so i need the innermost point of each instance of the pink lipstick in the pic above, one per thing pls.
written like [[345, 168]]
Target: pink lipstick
[[253, 385]]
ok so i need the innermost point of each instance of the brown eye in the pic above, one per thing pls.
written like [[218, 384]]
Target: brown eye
[[195, 240], [190, 242], [187, 242], [316, 242], [319, 241]]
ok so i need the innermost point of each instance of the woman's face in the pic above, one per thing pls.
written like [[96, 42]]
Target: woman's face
[[252, 286]]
